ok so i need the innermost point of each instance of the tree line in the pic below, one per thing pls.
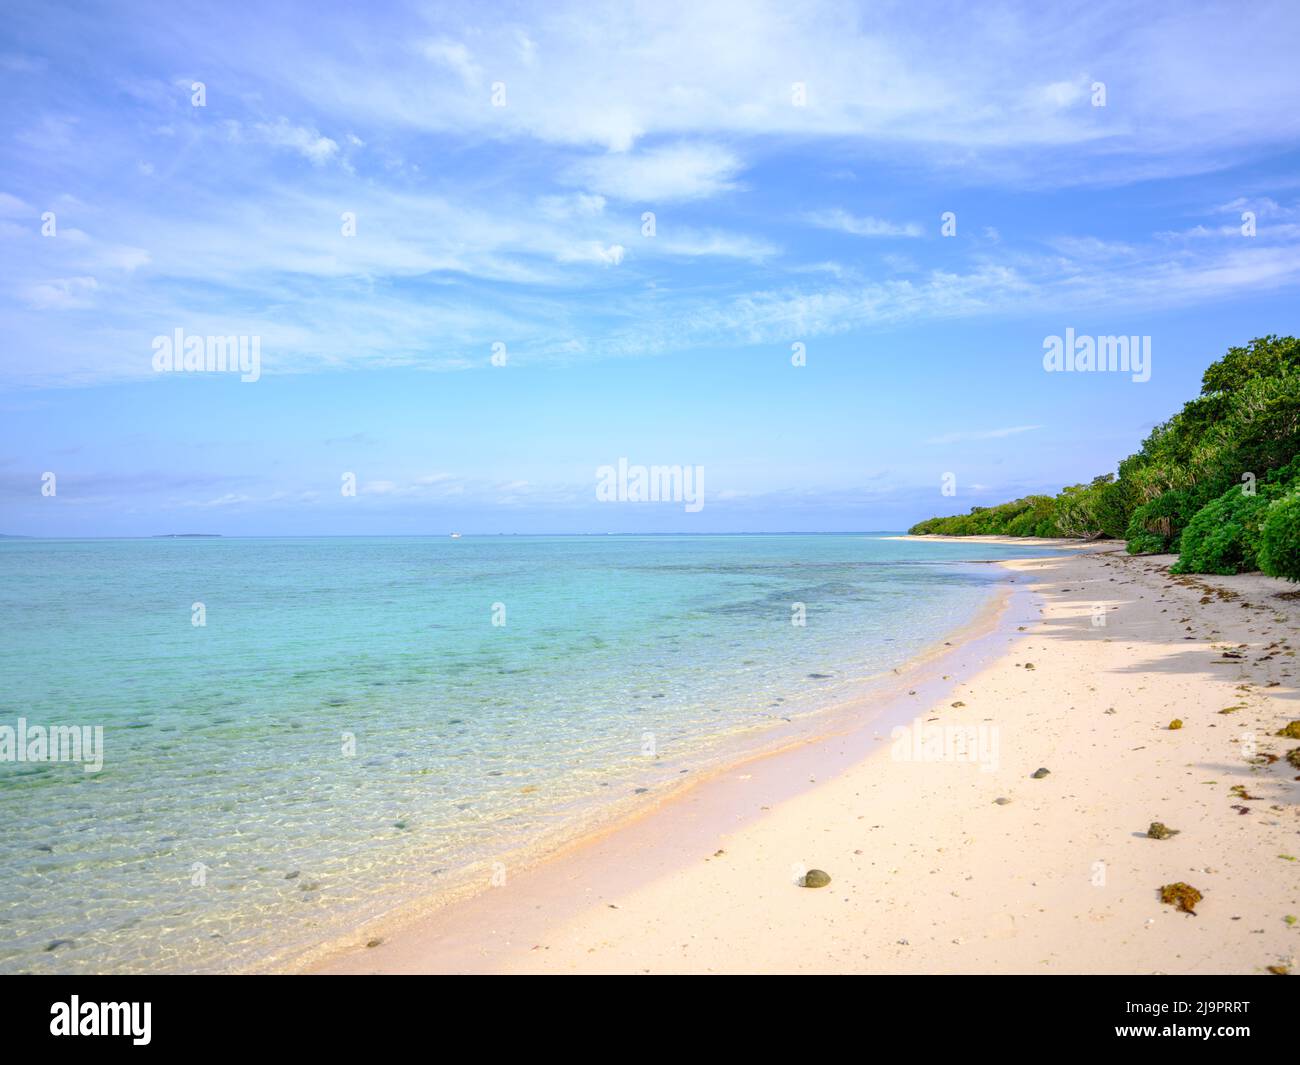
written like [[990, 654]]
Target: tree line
[[1218, 483]]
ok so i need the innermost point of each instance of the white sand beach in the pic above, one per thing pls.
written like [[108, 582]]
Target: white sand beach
[[949, 865]]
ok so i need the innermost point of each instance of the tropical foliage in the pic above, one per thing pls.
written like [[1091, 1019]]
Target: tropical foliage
[[1219, 482]]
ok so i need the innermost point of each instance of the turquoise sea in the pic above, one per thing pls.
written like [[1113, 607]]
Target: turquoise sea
[[349, 729]]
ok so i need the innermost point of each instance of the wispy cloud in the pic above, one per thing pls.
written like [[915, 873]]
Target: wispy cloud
[[309, 143], [660, 175], [523, 223], [982, 434], [860, 225]]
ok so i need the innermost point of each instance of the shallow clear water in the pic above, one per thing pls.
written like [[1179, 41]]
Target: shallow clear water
[[227, 770]]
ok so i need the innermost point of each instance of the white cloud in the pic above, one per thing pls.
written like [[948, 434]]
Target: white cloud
[[860, 225], [579, 205], [660, 175], [13, 207], [592, 252], [983, 434], [307, 142], [611, 75], [455, 57], [62, 293], [1093, 249], [692, 243], [229, 499]]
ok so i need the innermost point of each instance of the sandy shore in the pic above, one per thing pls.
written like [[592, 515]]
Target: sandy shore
[[1092, 658]]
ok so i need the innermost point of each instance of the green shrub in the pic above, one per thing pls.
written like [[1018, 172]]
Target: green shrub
[[1279, 547], [1224, 535], [1287, 476], [1023, 524], [1141, 542], [1077, 511], [1157, 524], [1116, 504]]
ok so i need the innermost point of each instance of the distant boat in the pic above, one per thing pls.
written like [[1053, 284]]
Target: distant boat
[[455, 536]]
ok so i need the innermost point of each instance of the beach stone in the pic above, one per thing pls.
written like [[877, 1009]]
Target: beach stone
[[815, 878], [1040, 772], [1002, 801], [1161, 831]]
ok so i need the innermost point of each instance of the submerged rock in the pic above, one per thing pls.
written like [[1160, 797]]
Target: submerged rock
[[815, 878]]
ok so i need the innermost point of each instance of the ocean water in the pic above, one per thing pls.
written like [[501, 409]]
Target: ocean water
[[362, 721]]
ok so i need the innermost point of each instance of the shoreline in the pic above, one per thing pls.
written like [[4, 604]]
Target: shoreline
[[874, 695], [702, 881], [632, 832], [1070, 543], [879, 700]]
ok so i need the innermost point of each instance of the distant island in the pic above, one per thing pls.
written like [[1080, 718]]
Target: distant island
[[186, 536]]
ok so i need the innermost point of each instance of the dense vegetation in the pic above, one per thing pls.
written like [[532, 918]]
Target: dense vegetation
[[1218, 483]]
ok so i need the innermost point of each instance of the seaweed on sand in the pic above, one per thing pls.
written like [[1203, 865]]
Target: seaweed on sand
[[1184, 896]]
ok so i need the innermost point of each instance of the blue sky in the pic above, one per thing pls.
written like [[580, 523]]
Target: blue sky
[[779, 218]]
